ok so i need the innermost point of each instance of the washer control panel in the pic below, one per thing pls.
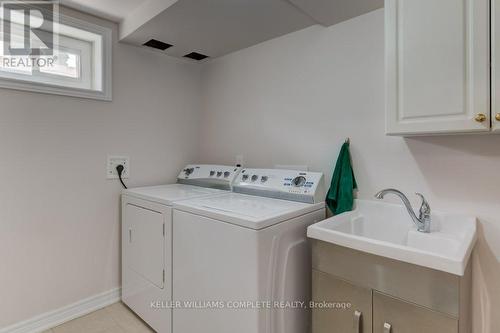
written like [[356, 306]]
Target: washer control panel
[[292, 185], [209, 175]]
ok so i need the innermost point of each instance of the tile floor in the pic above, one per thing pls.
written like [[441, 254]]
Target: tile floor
[[116, 318]]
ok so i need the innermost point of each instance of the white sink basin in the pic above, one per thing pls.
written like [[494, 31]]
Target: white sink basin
[[386, 230]]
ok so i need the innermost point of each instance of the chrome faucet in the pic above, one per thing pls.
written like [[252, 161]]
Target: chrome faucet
[[423, 222]]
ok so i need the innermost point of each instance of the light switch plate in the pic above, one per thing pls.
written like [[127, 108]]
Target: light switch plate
[[115, 160]]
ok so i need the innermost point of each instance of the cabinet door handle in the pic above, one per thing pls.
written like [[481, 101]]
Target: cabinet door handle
[[357, 321], [130, 235], [387, 328], [480, 117]]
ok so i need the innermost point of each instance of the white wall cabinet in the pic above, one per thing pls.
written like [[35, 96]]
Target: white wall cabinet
[[495, 62], [437, 66]]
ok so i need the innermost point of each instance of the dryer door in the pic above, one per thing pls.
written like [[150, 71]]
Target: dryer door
[[147, 260], [146, 243]]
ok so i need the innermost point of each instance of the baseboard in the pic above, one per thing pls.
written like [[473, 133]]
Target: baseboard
[[53, 318]]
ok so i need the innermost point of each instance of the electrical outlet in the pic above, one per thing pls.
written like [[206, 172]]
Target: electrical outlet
[[114, 161]]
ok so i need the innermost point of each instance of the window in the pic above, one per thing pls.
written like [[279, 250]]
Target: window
[[80, 63]]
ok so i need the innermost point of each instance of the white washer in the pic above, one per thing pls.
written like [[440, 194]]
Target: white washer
[[237, 247], [147, 237]]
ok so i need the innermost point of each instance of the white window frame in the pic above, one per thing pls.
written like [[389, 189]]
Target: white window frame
[[103, 79]]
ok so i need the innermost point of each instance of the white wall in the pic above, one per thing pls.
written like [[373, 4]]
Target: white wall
[[294, 100], [59, 216]]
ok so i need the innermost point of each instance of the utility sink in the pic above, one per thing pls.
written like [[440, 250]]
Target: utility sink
[[386, 229]]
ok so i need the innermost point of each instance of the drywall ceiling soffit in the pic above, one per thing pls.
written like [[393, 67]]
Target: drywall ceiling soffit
[[330, 12], [216, 27]]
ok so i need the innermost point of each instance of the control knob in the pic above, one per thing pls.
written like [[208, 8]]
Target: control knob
[[226, 174], [219, 173], [299, 181], [255, 177]]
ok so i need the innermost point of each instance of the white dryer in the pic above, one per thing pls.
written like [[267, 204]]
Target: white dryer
[[147, 238], [241, 261]]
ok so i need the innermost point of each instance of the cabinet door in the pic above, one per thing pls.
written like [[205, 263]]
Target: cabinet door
[[329, 290], [391, 315], [437, 66], [495, 63]]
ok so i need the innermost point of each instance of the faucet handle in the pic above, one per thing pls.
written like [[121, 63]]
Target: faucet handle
[[425, 209]]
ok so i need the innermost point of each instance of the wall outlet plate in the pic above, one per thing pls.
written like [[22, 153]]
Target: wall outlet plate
[[115, 160]]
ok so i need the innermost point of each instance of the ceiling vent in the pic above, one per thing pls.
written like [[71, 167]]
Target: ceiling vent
[[196, 56], [156, 44]]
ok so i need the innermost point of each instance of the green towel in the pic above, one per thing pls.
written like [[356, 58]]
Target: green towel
[[340, 196]]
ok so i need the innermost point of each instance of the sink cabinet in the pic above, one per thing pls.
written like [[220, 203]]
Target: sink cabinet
[[329, 289], [391, 315], [385, 295]]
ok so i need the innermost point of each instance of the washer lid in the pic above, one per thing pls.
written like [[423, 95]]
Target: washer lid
[[246, 210], [167, 194]]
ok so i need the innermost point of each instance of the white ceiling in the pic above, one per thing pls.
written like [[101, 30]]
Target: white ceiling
[[114, 10]]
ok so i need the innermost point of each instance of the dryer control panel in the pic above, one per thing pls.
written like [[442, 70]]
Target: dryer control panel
[[291, 185], [209, 175]]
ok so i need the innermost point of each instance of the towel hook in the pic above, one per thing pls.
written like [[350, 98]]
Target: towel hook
[[347, 140]]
